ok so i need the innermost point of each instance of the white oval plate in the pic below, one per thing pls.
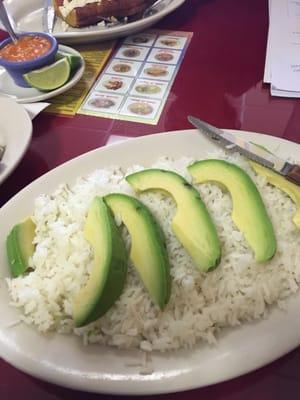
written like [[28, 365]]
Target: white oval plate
[[63, 360], [28, 16], [31, 95], [15, 133]]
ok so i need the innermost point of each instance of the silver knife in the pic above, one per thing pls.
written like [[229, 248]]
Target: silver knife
[[48, 16], [252, 151]]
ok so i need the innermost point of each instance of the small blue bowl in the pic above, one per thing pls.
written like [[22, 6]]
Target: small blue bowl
[[17, 69]]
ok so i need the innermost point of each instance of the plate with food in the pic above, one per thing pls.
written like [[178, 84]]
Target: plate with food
[[47, 82], [15, 135], [82, 22], [140, 275]]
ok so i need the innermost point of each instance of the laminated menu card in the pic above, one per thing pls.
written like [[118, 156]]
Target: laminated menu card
[[136, 82]]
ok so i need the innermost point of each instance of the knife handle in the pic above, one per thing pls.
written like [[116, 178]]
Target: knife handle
[[294, 174]]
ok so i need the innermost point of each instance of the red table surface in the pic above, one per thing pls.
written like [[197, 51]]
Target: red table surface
[[220, 81]]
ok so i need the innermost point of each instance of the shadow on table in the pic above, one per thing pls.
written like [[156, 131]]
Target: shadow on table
[[30, 168]]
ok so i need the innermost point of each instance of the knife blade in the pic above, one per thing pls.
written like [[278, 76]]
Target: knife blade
[[48, 16], [250, 150]]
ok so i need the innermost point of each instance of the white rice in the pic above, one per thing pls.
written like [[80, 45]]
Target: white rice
[[239, 290]]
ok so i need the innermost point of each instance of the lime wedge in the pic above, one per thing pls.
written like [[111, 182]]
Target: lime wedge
[[51, 77], [73, 59]]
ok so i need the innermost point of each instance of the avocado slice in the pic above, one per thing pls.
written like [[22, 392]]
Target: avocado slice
[[20, 247], [292, 190], [107, 277], [249, 212], [192, 223], [148, 250]]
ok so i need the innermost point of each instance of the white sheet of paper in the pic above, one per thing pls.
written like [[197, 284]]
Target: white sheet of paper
[[283, 93], [268, 61], [285, 58], [34, 109]]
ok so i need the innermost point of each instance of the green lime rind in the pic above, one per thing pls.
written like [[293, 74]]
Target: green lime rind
[[50, 77], [73, 59]]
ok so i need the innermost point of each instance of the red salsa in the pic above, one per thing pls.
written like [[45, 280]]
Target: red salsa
[[27, 48]]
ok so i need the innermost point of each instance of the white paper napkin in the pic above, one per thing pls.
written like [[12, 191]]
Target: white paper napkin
[[34, 109]]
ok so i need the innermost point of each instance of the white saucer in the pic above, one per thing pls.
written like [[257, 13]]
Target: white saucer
[[15, 131], [30, 95]]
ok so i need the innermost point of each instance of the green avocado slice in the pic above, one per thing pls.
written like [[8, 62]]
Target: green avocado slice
[[292, 190], [192, 223], [20, 247], [148, 252], [107, 277], [249, 212]]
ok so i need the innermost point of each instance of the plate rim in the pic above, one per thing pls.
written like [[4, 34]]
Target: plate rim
[[28, 135], [159, 384], [48, 95], [119, 29]]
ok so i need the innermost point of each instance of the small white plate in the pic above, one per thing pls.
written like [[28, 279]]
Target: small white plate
[[64, 360], [28, 16], [15, 133], [30, 95]]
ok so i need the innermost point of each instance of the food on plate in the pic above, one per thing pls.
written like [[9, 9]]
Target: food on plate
[[251, 218], [79, 13], [169, 42], [100, 102], [164, 56], [292, 190], [201, 304], [121, 67], [148, 88], [131, 52], [192, 223], [156, 70], [140, 108], [26, 48], [51, 77], [107, 276], [73, 59], [147, 253], [113, 84], [20, 247], [30, 52]]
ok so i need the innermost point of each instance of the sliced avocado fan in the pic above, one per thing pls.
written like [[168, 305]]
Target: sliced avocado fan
[[107, 277], [148, 251], [192, 223], [20, 247], [249, 213], [292, 190]]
